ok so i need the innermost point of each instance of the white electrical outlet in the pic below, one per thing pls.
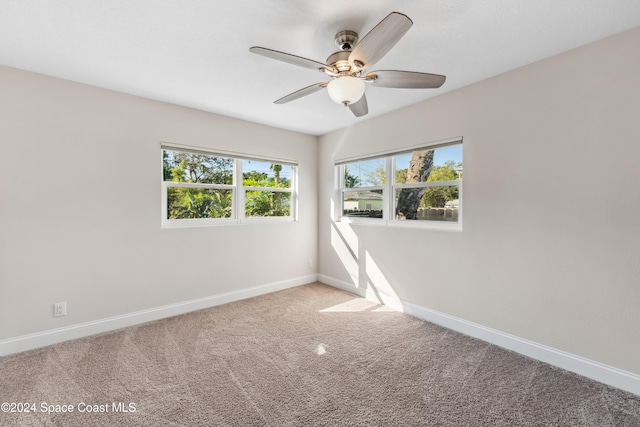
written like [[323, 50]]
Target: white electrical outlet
[[310, 264], [59, 309]]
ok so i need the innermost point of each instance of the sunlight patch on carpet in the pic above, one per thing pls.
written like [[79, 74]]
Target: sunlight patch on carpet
[[320, 350], [356, 304]]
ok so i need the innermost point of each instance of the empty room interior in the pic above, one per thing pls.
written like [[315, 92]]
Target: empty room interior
[[471, 215]]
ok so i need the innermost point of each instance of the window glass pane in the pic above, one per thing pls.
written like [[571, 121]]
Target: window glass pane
[[367, 173], [267, 203], [265, 174], [441, 164], [178, 166], [190, 203], [427, 203], [365, 204]]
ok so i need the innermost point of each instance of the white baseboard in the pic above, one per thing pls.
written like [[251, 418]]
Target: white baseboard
[[54, 336], [600, 372]]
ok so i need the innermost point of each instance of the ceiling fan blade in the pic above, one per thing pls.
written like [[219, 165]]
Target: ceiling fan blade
[[380, 40], [406, 79], [302, 92], [360, 108], [291, 59]]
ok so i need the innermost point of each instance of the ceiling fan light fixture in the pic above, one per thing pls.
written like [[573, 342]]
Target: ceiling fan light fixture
[[346, 90], [348, 67]]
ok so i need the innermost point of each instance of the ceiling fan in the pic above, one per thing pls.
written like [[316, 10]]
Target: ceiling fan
[[348, 67]]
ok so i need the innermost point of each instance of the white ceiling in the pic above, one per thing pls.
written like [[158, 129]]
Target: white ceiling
[[196, 52]]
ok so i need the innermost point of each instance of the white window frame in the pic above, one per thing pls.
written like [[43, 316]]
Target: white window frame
[[238, 190], [390, 187]]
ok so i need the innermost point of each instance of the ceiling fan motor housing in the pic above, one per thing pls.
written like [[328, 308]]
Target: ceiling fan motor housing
[[346, 40], [340, 61]]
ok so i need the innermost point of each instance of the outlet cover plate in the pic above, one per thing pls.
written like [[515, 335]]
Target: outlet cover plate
[[59, 309]]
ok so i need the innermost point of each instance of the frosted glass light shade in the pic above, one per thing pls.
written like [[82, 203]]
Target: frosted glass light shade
[[345, 90]]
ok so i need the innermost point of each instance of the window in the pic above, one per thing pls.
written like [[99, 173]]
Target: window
[[425, 187], [363, 187], [206, 188], [267, 189]]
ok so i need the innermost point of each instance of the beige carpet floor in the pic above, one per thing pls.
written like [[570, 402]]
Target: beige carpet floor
[[307, 356]]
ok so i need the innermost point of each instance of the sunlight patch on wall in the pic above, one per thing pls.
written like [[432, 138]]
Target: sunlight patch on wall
[[345, 244], [376, 278]]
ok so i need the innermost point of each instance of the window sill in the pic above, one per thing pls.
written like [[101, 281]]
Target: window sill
[[203, 223], [416, 225]]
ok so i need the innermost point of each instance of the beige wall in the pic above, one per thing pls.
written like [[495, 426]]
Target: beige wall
[[550, 243], [80, 206]]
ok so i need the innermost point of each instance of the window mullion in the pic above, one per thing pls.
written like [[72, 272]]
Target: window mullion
[[338, 211], [272, 189], [164, 201], [240, 191], [429, 184], [372, 188], [293, 209], [387, 197], [198, 185]]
